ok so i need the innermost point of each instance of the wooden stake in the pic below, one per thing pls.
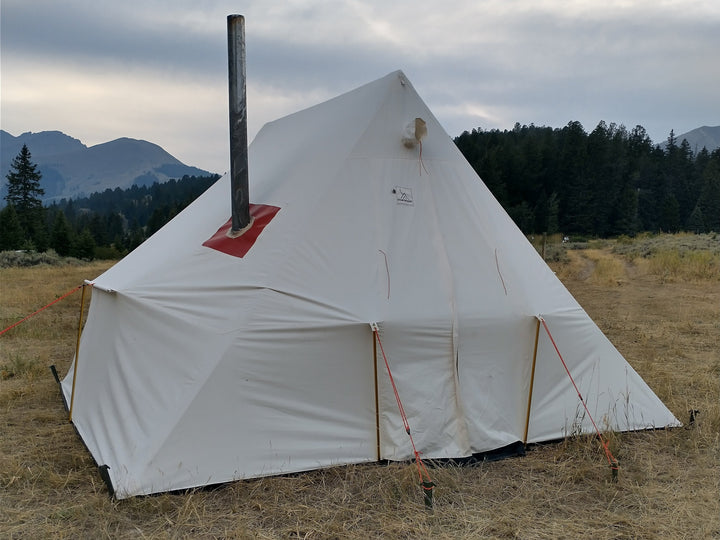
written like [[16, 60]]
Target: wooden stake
[[77, 352], [532, 381]]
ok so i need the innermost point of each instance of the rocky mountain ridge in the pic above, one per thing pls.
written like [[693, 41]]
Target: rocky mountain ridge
[[71, 169]]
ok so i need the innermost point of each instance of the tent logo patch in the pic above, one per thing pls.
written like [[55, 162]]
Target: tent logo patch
[[404, 195]]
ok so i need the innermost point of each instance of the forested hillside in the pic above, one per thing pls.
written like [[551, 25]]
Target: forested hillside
[[125, 218], [108, 224], [609, 182]]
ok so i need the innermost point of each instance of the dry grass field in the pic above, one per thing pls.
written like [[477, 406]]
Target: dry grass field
[[657, 298]]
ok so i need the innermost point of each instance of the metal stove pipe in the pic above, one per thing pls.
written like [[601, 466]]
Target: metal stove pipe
[[238, 124]]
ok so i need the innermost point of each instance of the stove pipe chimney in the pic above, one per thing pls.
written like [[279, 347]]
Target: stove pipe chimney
[[238, 126]]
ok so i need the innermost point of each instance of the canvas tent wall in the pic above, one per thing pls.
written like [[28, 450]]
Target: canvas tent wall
[[197, 366]]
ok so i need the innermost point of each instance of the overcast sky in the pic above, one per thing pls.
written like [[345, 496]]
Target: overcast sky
[[157, 69]]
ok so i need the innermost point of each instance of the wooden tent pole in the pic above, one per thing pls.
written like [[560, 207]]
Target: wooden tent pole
[[377, 398], [77, 351], [532, 381]]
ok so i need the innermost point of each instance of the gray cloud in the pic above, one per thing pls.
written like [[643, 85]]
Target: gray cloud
[[477, 63], [93, 34]]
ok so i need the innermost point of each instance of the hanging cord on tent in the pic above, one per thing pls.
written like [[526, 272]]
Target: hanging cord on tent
[[43, 308], [387, 270], [422, 165], [423, 474], [612, 461], [497, 264]]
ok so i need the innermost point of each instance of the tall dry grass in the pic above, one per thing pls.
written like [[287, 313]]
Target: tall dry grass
[[677, 257], [667, 488], [672, 265], [31, 347]]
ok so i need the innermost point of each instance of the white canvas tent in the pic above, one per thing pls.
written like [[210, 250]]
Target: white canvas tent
[[201, 365]]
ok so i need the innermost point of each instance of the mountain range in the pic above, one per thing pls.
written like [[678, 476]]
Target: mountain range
[[702, 137], [71, 170]]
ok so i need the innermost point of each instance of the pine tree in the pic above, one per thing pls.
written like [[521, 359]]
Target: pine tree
[[24, 193], [11, 233], [696, 222], [709, 201], [84, 245], [61, 238], [670, 214], [553, 211], [24, 189]]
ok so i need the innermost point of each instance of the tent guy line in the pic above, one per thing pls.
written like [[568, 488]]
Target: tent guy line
[[423, 474], [612, 461], [62, 297]]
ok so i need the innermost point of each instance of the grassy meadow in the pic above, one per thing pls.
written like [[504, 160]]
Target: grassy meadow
[[657, 297]]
